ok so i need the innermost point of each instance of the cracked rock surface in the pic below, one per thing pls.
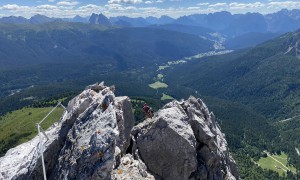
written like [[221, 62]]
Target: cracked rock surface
[[96, 139], [183, 141]]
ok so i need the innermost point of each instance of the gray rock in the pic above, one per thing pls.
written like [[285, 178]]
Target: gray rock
[[96, 87], [183, 141], [125, 121], [90, 147], [131, 169], [23, 162], [167, 145], [81, 145]]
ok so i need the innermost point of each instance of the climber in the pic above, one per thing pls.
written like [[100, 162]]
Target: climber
[[106, 101], [148, 112]]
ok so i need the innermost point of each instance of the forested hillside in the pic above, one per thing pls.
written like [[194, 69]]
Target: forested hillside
[[64, 56], [265, 77], [254, 90]]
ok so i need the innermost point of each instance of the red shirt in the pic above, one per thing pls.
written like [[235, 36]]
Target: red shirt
[[146, 108]]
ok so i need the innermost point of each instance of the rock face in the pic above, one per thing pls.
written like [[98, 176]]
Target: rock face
[[183, 141], [81, 145], [95, 139]]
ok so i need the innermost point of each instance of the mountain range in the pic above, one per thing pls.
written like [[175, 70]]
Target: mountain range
[[40, 19], [231, 25], [61, 51]]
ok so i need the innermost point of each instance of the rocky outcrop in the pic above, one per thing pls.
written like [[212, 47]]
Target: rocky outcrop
[[23, 162], [82, 144], [183, 141], [130, 168], [95, 139]]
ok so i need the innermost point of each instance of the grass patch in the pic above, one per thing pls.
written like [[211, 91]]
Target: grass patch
[[160, 76], [55, 101], [158, 85], [163, 67], [19, 126], [279, 166], [137, 101], [166, 97], [176, 62]]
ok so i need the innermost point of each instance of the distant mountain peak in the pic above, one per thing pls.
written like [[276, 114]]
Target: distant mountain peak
[[39, 15], [39, 19], [99, 19], [78, 18], [14, 19]]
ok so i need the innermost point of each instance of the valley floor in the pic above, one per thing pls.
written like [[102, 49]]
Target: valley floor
[[276, 163]]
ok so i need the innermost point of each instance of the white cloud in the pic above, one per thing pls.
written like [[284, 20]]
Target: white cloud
[[130, 8], [236, 5], [218, 5], [118, 7], [89, 7], [193, 8], [148, 2], [125, 1], [284, 4], [203, 4], [51, 10], [46, 7], [68, 3], [14, 7]]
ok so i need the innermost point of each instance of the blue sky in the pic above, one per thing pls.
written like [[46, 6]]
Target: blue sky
[[139, 8]]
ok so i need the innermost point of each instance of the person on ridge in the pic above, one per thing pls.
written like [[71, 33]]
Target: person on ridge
[[148, 112], [106, 101]]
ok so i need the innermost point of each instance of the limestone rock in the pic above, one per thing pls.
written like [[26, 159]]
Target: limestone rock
[[81, 145], [167, 145], [131, 169], [90, 145], [95, 139], [89, 149], [23, 162], [125, 121], [183, 141]]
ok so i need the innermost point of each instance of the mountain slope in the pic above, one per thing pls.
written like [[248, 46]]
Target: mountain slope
[[195, 30], [60, 41], [248, 40], [260, 86], [258, 76], [65, 53], [283, 21]]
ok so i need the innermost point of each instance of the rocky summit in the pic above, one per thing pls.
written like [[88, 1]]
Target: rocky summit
[[96, 139]]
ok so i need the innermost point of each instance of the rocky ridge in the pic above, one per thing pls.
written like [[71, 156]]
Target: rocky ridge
[[92, 141]]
